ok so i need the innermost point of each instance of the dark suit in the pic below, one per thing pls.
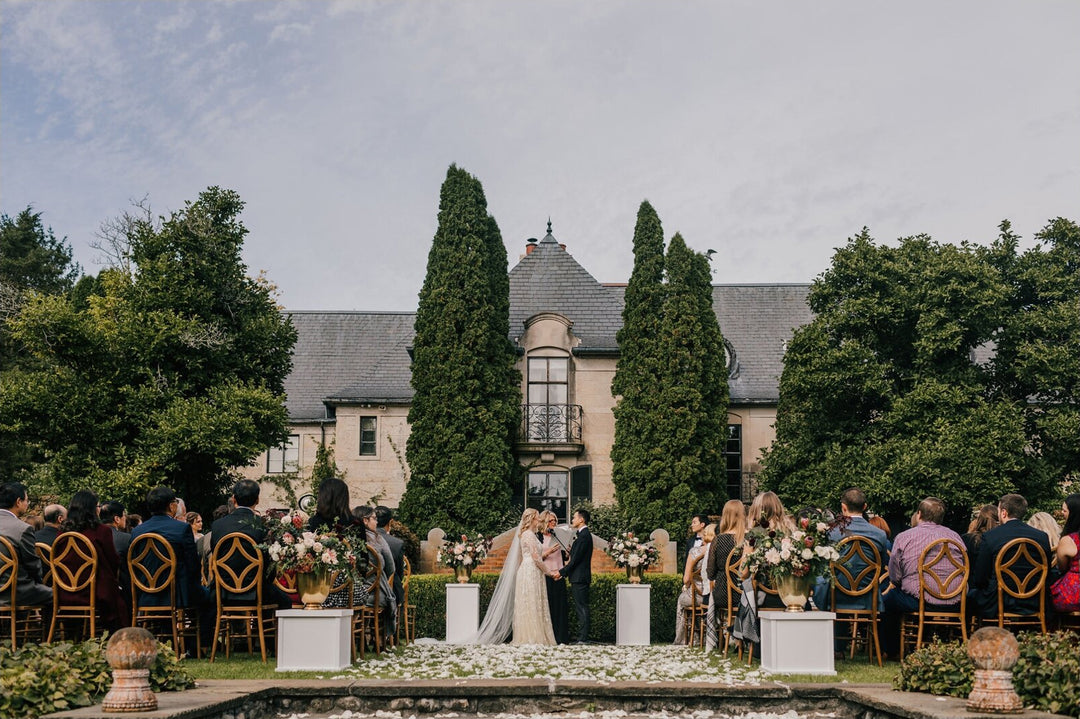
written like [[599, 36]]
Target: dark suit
[[983, 593], [397, 551], [245, 521], [189, 591], [47, 535], [121, 541], [578, 570]]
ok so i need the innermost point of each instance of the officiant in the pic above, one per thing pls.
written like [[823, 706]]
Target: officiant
[[554, 553]]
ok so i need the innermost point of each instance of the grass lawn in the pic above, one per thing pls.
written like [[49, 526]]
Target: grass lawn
[[598, 662]]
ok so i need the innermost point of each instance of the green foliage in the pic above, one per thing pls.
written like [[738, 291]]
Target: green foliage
[[466, 407], [607, 520], [31, 258], [325, 466], [45, 678], [171, 371], [411, 549], [428, 593], [677, 467], [880, 389], [939, 668], [1045, 676]]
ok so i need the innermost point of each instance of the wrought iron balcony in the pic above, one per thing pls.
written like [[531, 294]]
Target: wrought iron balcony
[[550, 424]]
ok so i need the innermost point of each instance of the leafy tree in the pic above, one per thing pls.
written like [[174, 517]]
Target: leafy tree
[[325, 466], [880, 390], [634, 452], [467, 398], [173, 373], [680, 462]]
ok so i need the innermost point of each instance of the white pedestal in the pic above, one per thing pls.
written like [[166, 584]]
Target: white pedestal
[[797, 642], [632, 617], [314, 639], [462, 611]]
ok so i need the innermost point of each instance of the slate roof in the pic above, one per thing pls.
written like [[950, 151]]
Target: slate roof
[[363, 356], [351, 356]]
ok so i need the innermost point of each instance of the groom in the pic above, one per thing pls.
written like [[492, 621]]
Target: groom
[[579, 570]]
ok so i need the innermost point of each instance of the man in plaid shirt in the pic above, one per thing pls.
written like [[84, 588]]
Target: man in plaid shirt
[[903, 596]]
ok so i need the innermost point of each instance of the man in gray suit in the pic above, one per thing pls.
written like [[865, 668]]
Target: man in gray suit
[[14, 502], [383, 515]]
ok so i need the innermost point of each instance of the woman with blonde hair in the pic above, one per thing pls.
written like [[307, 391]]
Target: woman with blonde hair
[[693, 580], [1046, 522], [554, 555], [767, 512], [729, 535]]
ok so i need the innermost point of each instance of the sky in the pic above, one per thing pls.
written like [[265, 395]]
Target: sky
[[768, 131]]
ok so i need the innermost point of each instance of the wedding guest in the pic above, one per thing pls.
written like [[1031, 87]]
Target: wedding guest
[[555, 556], [112, 605], [853, 524], [383, 515], [29, 591], [332, 510], [1065, 592], [983, 592], [729, 535], [387, 599], [244, 520], [767, 512], [36, 522], [181, 510], [692, 581], [697, 525], [133, 520], [709, 626], [194, 519], [1046, 522], [202, 545], [53, 517], [878, 521], [985, 519], [112, 514], [903, 597]]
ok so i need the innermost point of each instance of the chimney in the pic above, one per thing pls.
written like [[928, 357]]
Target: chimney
[[530, 245]]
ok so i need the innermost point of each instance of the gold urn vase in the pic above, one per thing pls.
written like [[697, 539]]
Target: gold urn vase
[[313, 588], [633, 574], [463, 574], [793, 591]]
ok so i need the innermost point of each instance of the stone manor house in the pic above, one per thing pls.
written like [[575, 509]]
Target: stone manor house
[[350, 384]]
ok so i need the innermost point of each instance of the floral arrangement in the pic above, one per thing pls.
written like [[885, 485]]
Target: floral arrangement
[[801, 552], [294, 548], [464, 552], [629, 551]]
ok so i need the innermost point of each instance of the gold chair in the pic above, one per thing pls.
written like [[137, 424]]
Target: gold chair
[[368, 618], [20, 618], [953, 560], [855, 588], [237, 565], [734, 595], [152, 568], [74, 568], [286, 582], [1021, 568], [694, 615], [407, 625], [44, 553]]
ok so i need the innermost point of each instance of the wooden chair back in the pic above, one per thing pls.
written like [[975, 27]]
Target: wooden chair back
[[695, 613], [861, 554], [44, 552], [1021, 569], [9, 576], [237, 564], [74, 568], [943, 564], [152, 568], [408, 616]]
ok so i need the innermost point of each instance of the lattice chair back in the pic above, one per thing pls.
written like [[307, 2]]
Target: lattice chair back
[[950, 557], [1021, 569], [152, 568], [44, 552], [74, 568], [855, 574], [237, 565]]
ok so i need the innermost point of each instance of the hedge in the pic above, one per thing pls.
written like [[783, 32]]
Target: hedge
[[428, 593], [1045, 676]]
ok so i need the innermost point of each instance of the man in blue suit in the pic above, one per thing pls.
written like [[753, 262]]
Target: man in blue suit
[[161, 502]]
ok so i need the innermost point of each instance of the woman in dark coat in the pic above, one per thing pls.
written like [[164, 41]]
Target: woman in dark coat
[[112, 605]]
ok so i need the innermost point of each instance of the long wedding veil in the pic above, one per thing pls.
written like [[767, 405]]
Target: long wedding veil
[[499, 620]]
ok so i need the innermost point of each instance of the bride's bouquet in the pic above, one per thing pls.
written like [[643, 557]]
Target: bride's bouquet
[[629, 551], [464, 552]]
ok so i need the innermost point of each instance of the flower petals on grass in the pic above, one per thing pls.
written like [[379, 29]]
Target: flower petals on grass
[[602, 663]]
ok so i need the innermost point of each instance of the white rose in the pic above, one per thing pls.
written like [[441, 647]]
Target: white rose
[[466, 560], [822, 527], [785, 554], [772, 556], [807, 554], [317, 547], [633, 561]]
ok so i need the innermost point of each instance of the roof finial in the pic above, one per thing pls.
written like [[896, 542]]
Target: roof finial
[[549, 224]]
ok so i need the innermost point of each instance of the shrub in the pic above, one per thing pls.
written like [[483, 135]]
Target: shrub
[[428, 593], [412, 542], [44, 678], [1045, 676]]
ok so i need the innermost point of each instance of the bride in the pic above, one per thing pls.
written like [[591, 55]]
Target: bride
[[519, 602]]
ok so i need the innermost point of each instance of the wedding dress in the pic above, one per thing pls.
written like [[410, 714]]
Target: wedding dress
[[532, 618], [519, 602]]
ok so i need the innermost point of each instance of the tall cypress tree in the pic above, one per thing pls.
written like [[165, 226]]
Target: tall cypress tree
[[467, 392], [685, 469], [635, 452]]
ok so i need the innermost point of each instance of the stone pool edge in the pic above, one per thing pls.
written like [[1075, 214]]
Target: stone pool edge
[[236, 699]]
